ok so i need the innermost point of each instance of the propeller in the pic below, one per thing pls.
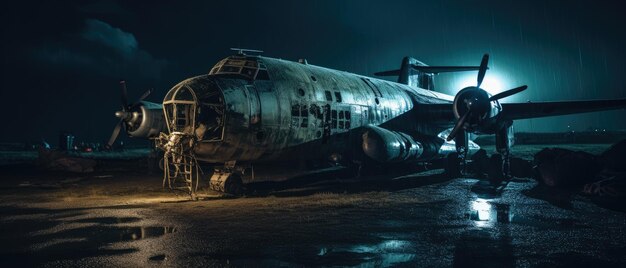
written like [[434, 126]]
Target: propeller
[[128, 114], [507, 93], [477, 101], [482, 70]]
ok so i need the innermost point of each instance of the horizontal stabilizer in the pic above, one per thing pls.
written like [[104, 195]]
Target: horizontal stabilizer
[[431, 70], [444, 69], [415, 73], [388, 73]]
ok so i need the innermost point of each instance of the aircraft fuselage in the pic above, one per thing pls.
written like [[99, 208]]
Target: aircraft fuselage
[[297, 110]]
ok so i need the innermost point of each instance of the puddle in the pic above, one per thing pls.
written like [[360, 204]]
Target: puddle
[[136, 233], [385, 254], [94, 235], [160, 257], [485, 213]]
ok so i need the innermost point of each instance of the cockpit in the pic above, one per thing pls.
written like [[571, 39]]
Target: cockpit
[[195, 107], [241, 66]]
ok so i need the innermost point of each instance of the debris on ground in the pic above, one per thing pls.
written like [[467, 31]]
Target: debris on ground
[[557, 167], [61, 161], [602, 175]]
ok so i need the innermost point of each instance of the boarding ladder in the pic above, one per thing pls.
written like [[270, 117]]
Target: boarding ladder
[[180, 167]]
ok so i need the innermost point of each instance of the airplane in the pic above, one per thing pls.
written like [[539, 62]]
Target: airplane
[[255, 117]]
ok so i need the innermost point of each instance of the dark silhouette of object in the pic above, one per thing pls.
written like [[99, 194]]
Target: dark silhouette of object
[[556, 167]]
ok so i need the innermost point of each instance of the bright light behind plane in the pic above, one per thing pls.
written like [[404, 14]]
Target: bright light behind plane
[[492, 83]]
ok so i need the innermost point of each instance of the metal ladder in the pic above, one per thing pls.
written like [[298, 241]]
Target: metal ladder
[[181, 169]]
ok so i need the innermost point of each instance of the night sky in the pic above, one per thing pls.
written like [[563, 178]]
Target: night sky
[[61, 61]]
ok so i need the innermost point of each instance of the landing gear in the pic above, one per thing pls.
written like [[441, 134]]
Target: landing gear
[[457, 163], [504, 141], [227, 179], [500, 163]]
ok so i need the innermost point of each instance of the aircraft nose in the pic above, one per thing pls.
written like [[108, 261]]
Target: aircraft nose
[[196, 107]]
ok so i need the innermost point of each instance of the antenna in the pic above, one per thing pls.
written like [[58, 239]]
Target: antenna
[[241, 51]]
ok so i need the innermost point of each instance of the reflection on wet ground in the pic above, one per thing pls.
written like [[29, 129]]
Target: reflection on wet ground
[[417, 221], [384, 254], [38, 236]]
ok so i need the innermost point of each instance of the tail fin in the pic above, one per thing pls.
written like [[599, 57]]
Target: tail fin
[[417, 74]]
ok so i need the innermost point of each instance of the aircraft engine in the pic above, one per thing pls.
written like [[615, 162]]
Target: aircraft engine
[[389, 146], [479, 111], [141, 119], [476, 110]]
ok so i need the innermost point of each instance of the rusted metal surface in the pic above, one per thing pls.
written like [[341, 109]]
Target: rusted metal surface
[[254, 110], [302, 110]]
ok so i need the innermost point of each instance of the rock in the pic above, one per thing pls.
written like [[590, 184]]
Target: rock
[[558, 167]]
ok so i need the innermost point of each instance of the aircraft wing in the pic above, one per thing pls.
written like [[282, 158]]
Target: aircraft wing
[[516, 111], [513, 111]]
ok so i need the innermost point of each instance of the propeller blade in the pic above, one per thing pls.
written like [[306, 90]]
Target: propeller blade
[[136, 104], [124, 95], [483, 69], [507, 93], [145, 95], [116, 132], [457, 127]]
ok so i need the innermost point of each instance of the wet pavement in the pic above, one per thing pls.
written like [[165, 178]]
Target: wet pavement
[[417, 220]]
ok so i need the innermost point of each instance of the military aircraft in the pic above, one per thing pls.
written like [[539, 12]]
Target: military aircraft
[[256, 116]]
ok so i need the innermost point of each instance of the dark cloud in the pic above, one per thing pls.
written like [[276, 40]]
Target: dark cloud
[[98, 31], [104, 51]]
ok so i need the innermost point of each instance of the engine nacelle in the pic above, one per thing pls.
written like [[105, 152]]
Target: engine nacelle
[[483, 117], [145, 120], [388, 146]]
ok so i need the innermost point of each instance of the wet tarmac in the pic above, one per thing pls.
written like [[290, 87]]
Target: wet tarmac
[[125, 219]]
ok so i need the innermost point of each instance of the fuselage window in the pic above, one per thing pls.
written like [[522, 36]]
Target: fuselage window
[[340, 119], [304, 113], [329, 97], [249, 72], [346, 119], [338, 96], [241, 67], [230, 69], [262, 75], [299, 116]]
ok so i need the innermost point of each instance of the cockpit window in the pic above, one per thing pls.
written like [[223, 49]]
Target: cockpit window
[[180, 110], [241, 67]]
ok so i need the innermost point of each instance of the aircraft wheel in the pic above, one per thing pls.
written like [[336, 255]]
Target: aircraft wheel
[[233, 185], [226, 182]]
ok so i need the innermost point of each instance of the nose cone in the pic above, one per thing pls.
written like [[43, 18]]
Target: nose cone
[[195, 106]]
